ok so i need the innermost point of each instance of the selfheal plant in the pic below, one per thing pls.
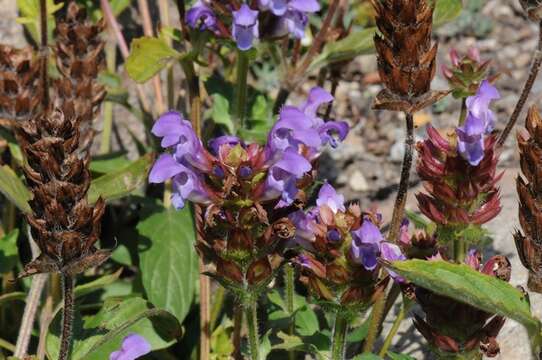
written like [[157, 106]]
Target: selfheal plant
[[247, 190], [293, 14], [339, 248]]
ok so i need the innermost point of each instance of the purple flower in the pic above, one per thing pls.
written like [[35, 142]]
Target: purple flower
[[328, 196], [178, 133], [332, 132], [478, 105], [392, 252], [216, 143], [366, 245], [187, 184], [133, 346], [283, 175], [245, 27], [470, 140], [201, 17], [304, 228], [293, 13], [301, 125], [473, 259]]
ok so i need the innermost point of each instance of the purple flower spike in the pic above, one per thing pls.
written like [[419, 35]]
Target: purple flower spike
[[328, 196], [478, 105], [292, 129], [368, 233], [470, 140], [392, 252], [245, 27], [133, 346], [295, 23], [292, 13], [201, 17], [304, 229]]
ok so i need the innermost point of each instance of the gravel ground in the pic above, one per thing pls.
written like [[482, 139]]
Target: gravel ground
[[367, 166]]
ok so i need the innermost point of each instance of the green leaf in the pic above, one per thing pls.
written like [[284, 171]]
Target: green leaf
[[446, 11], [220, 112], [355, 44], [168, 260], [104, 164], [462, 283], [418, 220], [30, 16], [295, 343], [14, 189], [97, 284], [367, 356], [121, 182], [306, 321], [148, 56], [95, 337], [12, 296], [8, 251]]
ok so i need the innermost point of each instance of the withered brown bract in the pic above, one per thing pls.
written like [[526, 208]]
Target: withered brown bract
[[533, 8], [529, 186], [20, 93], [55, 143], [406, 53]]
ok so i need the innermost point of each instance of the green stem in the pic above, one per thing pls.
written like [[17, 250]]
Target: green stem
[[395, 327], [463, 114], [375, 325], [241, 90], [7, 345], [338, 345], [250, 308], [460, 249], [289, 279], [218, 303]]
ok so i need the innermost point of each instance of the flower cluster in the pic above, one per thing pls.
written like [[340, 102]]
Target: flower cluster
[[245, 24], [246, 188], [460, 173], [340, 247], [452, 327]]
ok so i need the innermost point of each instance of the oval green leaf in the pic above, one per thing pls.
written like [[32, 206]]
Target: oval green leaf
[[462, 283], [148, 56], [168, 260]]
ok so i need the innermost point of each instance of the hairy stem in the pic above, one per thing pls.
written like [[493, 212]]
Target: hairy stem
[[533, 73], [237, 327], [67, 317], [282, 96], [395, 327], [241, 90], [338, 344], [377, 316], [251, 308], [289, 280], [29, 315], [400, 200], [45, 320]]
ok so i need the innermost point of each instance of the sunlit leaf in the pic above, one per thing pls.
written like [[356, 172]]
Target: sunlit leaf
[[14, 189], [148, 55]]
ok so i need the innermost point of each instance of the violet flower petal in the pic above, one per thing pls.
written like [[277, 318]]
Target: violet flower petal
[[329, 196], [164, 168], [133, 346], [245, 27]]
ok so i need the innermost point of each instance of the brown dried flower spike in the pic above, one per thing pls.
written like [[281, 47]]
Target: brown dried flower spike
[[406, 54], [529, 188]]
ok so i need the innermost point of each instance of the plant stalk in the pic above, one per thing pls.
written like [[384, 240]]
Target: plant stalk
[[29, 315], [289, 281], [395, 327], [533, 73], [400, 200], [338, 344], [460, 250], [251, 308], [67, 317], [105, 145], [237, 327], [377, 316], [241, 90]]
